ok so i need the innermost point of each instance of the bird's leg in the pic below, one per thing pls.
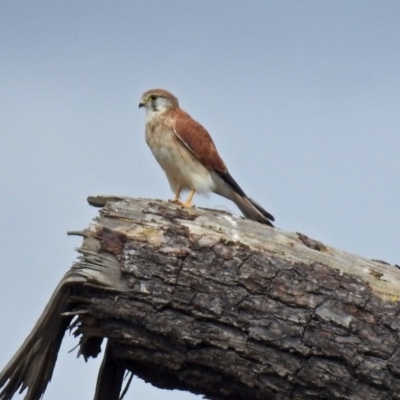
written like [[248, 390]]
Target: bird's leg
[[188, 202], [176, 198]]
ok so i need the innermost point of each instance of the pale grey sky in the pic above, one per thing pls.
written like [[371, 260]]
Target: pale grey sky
[[301, 97]]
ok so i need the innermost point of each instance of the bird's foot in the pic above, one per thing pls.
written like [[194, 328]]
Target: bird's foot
[[181, 203], [188, 204], [175, 201]]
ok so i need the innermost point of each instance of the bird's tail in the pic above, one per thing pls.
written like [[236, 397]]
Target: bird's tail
[[227, 187], [252, 210]]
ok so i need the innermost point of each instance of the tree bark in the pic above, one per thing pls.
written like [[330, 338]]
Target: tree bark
[[217, 305]]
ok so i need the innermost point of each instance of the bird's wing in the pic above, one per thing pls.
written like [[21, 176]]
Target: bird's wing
[[199, 142]]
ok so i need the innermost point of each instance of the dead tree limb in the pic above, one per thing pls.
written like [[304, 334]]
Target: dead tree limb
[[208, 302]]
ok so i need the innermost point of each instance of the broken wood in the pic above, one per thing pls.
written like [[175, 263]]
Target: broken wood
[[217, 305]]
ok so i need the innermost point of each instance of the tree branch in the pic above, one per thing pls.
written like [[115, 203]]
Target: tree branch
[[208, 302]]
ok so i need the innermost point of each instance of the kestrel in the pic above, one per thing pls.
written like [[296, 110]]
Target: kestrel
[[187, 154]]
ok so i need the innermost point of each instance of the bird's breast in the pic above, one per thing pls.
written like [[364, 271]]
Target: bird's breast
[[182, 168]]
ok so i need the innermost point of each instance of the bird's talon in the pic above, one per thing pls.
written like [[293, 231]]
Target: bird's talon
[[178, 202]]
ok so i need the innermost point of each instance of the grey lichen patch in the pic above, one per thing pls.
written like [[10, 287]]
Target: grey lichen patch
[[331, 311]]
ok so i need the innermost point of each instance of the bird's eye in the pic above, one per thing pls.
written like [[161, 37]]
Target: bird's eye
[[153, 97]]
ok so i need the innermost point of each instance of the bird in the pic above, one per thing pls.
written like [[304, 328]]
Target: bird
[[187, 154]]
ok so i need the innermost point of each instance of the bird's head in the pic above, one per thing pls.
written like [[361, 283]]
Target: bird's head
[[158, 100]]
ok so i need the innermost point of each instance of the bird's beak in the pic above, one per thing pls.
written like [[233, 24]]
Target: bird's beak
[[142, 104]]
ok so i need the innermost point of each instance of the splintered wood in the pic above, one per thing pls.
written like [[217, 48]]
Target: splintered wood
[[217, 305]]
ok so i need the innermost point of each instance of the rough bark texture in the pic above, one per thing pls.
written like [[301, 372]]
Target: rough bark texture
[[208, 302]]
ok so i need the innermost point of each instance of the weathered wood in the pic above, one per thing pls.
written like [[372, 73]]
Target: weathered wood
[[111, 375], [208, 302], [32, 366]]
